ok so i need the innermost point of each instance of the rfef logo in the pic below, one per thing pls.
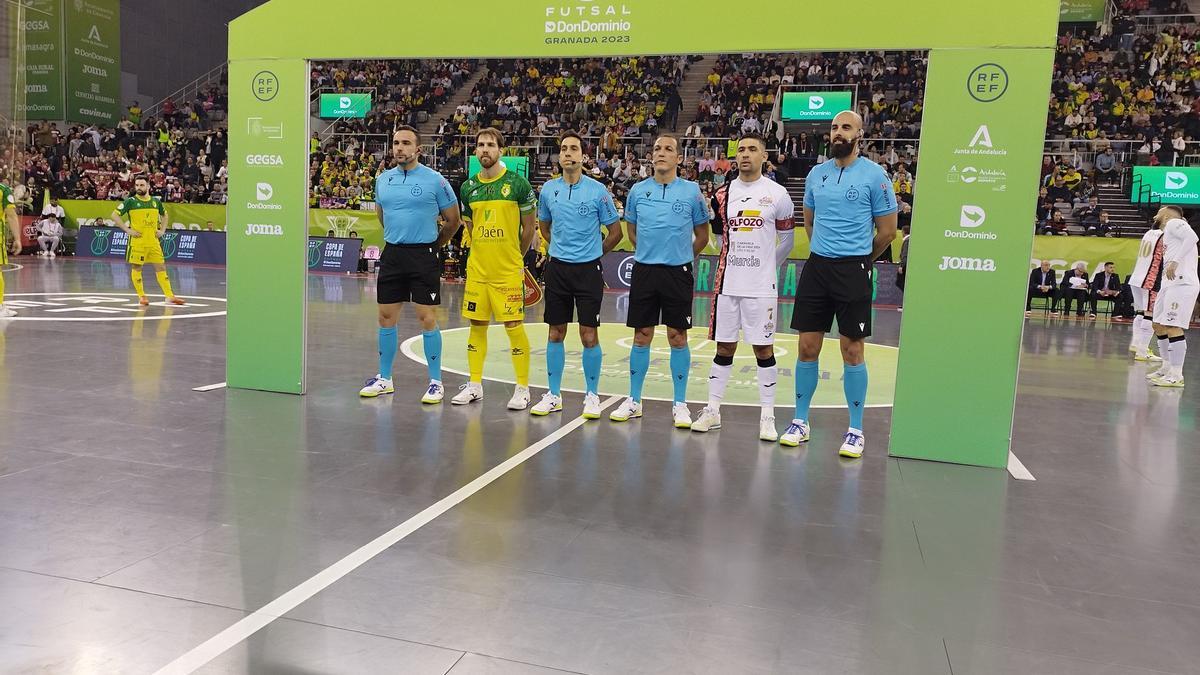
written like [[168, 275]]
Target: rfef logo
[[987, 82], [265, 85]]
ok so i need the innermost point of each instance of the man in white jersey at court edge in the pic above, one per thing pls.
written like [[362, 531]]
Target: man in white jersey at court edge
[[756, 217], [1141, 284], [1177, 299]]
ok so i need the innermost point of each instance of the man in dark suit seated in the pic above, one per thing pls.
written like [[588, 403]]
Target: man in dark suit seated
[[1075, 287], [1041, 285], [1106, 285]]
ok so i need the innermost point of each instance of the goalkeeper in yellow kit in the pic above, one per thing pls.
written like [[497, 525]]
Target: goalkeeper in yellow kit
[[8, 211], [147, 222]]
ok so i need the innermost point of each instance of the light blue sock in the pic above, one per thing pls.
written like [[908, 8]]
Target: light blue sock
[[681, 365], [854, 383], [593, 357], [387, 351], [639, 363], [807, 374], [432, 341], [556, 360]]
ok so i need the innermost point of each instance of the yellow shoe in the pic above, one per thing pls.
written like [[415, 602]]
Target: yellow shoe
[[1167, 381]]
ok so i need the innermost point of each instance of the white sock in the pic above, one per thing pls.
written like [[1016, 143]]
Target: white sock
[[1176, 356], [1135, 340], [1146, 335], [767, 378], [1164, 347], [718, 378]]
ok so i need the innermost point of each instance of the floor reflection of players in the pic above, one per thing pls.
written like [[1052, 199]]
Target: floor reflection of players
[[496, 508], [147, 350]]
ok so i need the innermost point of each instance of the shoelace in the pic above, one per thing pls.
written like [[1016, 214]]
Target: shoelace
[[793, 428], [853, 439], [434, 388]]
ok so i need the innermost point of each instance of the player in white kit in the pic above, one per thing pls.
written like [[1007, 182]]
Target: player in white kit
[[1177, 300], [756, 219], [1142, 283]]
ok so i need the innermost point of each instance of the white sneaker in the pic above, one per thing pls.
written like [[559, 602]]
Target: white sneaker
[[549, 404], [1148, 356], [51, 254], [626, 411], [708, 420], [520, 399], [796, 433], [591, 406], [853, 446], [468, 393], [376, 386], [6, 313], [767, 430], [1167, 380], [683, 416], [434, 394]]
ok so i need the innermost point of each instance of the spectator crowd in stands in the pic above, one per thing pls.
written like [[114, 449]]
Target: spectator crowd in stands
[[1121, 97]]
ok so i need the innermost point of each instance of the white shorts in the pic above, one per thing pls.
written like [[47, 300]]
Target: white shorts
[[755, 317], [1174, 305], [1139, 297]]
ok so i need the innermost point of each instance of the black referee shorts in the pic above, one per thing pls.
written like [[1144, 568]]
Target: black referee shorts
[[834, 287], [571, 286], [409, 273], [661, 294]]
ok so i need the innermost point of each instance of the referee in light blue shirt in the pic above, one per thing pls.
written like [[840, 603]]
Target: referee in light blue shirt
[[850, 218], [409, 198], [572, 211], [668, 224]]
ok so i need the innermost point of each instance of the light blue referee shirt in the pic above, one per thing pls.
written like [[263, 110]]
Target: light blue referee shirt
[[575, 214], [845, 202], [411, 201], [665, 217]]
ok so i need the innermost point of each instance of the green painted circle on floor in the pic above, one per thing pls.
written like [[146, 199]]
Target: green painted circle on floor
[[616, 340]]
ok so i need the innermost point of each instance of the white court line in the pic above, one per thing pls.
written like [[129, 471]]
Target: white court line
[[208, 650], [1017, 469], [210, 387]]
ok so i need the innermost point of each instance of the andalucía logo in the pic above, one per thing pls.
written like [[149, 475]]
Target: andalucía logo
[[101, 240]]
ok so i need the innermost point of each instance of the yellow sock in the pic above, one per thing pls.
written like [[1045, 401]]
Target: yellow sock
[[1, 283], [164, 282], [135, 273], [520, 353], [476, 351]]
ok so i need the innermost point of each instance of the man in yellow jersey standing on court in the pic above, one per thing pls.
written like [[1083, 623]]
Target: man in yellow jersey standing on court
[[147, 222], [498, 206], [8, 207]]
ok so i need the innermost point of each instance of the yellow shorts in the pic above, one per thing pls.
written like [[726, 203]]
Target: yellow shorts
[[142, 252], [505, 300]]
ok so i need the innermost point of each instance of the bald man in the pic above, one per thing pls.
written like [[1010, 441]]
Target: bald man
[[850, 218]]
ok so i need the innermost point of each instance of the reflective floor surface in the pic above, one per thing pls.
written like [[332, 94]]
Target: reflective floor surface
[[139, 518]]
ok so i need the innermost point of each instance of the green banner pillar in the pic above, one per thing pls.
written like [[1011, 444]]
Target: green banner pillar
[[267, 231], [968, 265]]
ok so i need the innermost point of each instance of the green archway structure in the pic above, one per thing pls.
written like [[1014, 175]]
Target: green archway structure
[[984, 112]]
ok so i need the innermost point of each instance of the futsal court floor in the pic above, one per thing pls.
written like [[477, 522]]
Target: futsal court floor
[[144, 524]]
